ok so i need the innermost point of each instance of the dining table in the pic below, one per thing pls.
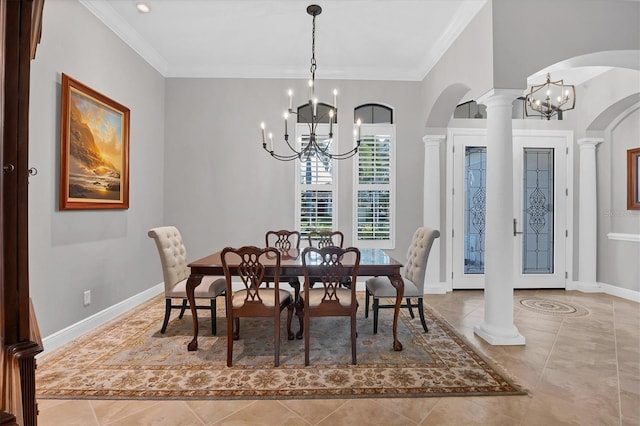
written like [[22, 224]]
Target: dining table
[[373, 262]]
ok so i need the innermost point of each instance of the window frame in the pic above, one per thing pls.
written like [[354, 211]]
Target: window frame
[[302, 129], [376, 129]]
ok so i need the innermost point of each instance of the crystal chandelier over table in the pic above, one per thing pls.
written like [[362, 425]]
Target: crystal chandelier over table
[[314, 147], [550, 99]]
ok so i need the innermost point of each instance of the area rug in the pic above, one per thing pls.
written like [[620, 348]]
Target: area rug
[[128, 358]]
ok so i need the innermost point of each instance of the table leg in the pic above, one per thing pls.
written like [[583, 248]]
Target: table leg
[[398, 284], [192, 283]]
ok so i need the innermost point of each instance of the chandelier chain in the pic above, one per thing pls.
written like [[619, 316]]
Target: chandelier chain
[[313, 49]]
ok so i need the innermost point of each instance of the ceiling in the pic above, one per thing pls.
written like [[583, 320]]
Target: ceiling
[[355, 39]]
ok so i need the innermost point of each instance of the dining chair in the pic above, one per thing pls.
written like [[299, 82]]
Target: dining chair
[[253, 300], [326, 265], [325, 238], [173, 258], [328, 238], [285, 240], [413, 276]]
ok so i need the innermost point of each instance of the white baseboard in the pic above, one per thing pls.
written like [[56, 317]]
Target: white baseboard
[[67, 334], [623, 293]]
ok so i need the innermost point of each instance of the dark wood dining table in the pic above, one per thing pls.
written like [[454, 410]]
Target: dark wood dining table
[[373, 262]]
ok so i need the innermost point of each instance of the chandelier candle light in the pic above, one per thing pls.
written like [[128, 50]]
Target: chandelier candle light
[[318, 115], [550, 99]]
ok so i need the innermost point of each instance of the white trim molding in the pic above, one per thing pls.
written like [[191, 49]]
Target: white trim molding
[[634, 238], [67, 334], [612, 290]]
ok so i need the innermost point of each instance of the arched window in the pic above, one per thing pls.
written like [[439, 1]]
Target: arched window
[[374, 113], [374, 177]]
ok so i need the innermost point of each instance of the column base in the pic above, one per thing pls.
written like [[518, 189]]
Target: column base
[[499, 336]]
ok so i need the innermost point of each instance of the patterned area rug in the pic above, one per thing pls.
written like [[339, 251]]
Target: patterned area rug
[[128, 358]]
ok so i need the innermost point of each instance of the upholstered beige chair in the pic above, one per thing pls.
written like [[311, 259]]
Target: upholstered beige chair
[[413, 275], [173, 258]]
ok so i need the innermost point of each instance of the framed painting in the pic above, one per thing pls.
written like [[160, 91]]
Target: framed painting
[[633, 179], [94, 151]]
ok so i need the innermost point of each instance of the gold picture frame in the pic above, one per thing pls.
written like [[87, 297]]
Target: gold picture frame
[[633, 179], [94, 149]]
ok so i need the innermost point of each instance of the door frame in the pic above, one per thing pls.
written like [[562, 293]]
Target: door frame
[[452, 133]]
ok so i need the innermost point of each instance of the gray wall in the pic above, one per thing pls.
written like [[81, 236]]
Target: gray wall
[[107, 252], [551, 31], [618, 261], [196, 159], [222, 188]]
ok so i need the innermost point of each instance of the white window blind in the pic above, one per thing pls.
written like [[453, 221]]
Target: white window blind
[[315, 184], [375, 187]]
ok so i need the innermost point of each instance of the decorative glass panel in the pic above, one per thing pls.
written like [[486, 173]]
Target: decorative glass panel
[[537, 244], [474, 209]]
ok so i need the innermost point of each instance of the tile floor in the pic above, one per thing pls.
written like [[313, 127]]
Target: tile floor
[[578, 371]]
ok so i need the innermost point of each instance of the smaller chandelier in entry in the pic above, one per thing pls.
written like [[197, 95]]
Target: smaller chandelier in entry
[[317, 113], [550, 99]]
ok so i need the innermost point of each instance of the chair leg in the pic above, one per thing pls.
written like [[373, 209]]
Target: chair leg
[[421, 312], [366, 303], [290, 309], [375, 315], [167, 313], [213, 317], [353, 339], [236, 334], [306, 338], [230, 338], [184, 308], [410, 308], [276, 337]]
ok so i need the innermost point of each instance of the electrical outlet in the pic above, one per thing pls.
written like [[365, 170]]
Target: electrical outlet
[[87, 298]]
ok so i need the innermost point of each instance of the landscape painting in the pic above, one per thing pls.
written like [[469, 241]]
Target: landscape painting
[[94, 170]]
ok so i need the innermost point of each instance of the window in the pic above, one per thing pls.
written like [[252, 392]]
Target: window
[[374, 178], [316, 186]]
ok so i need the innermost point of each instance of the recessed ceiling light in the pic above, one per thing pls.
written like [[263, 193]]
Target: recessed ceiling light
[[143, 7]]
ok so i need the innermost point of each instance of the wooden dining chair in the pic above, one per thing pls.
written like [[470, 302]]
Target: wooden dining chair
[[173, 258], [253, 300], [285, 240], [282, 239], [325, 265], [324, 239], [413, 276]]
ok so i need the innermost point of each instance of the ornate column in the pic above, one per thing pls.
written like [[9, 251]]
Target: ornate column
[[498, 327], [431, 210], [588, 216]]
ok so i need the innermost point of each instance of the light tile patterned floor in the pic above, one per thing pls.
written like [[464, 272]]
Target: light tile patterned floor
[[578, 371]]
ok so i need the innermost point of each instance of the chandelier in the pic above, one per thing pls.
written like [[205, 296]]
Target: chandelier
[[550, 99], [317, 146]]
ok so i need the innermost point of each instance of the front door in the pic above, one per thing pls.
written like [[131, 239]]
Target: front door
[[539, 211]]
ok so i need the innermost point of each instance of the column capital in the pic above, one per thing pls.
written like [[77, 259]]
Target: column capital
[[433, 140], [589, 142], [498, 96]]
